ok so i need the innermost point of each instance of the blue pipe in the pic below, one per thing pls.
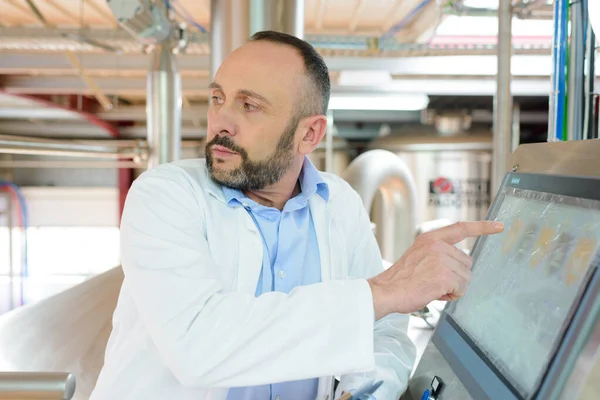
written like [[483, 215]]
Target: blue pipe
[[25, 215], [559, 54], [405, 21], [562, 75]]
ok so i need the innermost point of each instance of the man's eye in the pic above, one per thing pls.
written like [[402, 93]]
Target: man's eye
[[216, 99], [250, 107]]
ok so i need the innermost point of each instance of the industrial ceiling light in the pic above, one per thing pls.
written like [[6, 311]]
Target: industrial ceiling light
[[400, 102]]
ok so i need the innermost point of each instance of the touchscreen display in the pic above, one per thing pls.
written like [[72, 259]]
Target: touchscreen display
[[526, 280]]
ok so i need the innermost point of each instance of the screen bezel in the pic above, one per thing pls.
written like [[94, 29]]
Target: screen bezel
[[479, 375]]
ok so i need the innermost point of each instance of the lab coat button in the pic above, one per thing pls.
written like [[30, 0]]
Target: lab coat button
[[282, 274]]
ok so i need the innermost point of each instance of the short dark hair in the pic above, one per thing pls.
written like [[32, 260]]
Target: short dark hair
[[315, 68]]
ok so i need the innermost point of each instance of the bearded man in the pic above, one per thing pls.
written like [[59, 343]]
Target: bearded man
[[250, 274]]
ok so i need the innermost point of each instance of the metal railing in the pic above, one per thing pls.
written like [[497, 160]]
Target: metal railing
[[36, 385]]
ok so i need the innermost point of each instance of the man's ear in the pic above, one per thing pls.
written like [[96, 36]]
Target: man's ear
[[313, 131]]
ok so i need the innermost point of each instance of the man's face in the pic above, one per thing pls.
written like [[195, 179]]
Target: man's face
[[252, 118]]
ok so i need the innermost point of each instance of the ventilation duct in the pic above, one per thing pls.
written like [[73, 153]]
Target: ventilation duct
[[144, 19]]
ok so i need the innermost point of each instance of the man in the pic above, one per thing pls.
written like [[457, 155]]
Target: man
[[251, 275]]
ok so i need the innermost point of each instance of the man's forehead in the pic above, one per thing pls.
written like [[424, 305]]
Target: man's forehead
[[260, 66]]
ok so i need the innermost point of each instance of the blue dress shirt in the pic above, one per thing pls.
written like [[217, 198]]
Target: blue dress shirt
[[290, 259]]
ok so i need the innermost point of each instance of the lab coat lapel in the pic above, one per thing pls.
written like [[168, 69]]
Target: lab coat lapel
[[250, 253], [320, 217]]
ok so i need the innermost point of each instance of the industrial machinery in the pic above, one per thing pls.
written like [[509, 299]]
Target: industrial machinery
[[529, 325], [451, 171]]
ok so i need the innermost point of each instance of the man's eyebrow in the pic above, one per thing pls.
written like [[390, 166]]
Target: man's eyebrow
[[252, 93], [243, 92]]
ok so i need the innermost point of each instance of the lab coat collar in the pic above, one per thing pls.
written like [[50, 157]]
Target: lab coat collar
[[320, 215]]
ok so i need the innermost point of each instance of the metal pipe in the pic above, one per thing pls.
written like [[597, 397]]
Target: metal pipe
[[71, 164], [553, 98], [163, 107], [329, 143], [590, 55], [516, 127], [576, 72], [18, 145], [36, 385], [559, 72], [536, 10], [276, 15], [389, 193], [525, 10], [502, 139], [11, 257], [230, 29]]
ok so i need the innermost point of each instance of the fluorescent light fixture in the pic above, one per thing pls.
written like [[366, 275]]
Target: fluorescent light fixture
[[400, 102], [481, 3], [364, 78]]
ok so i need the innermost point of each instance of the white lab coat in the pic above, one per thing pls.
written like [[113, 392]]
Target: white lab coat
[[188, 325]]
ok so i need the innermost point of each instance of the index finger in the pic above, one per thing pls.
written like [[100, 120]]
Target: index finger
[[461, 230]]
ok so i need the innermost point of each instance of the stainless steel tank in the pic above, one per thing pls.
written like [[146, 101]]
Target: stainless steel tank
[[452, 172]]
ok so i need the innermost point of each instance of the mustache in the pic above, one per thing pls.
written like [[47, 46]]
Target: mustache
[[226, 142]]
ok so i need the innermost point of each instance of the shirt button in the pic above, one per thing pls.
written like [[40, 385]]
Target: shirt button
[[282, 274]]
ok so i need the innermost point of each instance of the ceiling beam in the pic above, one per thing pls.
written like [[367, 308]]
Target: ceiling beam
[[63, 10], [482, 86], [15, 62], [358, 10], [21, 7], [106, 15]]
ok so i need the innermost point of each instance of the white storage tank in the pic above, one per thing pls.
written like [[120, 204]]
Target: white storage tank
[[451, 168]]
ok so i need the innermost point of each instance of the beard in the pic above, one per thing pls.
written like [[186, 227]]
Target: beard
[[251, 174]]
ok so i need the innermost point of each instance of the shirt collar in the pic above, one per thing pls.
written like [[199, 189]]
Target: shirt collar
[[311, 182]]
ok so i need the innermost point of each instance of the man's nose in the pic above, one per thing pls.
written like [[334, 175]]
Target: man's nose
[[222, 122]]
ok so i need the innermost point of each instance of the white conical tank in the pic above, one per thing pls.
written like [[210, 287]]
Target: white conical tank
[[67, 332]]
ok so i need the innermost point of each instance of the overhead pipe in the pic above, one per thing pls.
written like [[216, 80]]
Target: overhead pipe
[[535, 10], [72, 164], [18, 145], [163, 107], [230, 29], [276, 15], [234, 21], [502, 138], [527, 10], [389, 194]]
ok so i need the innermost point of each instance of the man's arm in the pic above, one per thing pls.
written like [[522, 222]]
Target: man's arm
[[394, 352], [210, 338]]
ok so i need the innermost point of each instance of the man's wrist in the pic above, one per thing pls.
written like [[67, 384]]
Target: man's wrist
[[378, 295]]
